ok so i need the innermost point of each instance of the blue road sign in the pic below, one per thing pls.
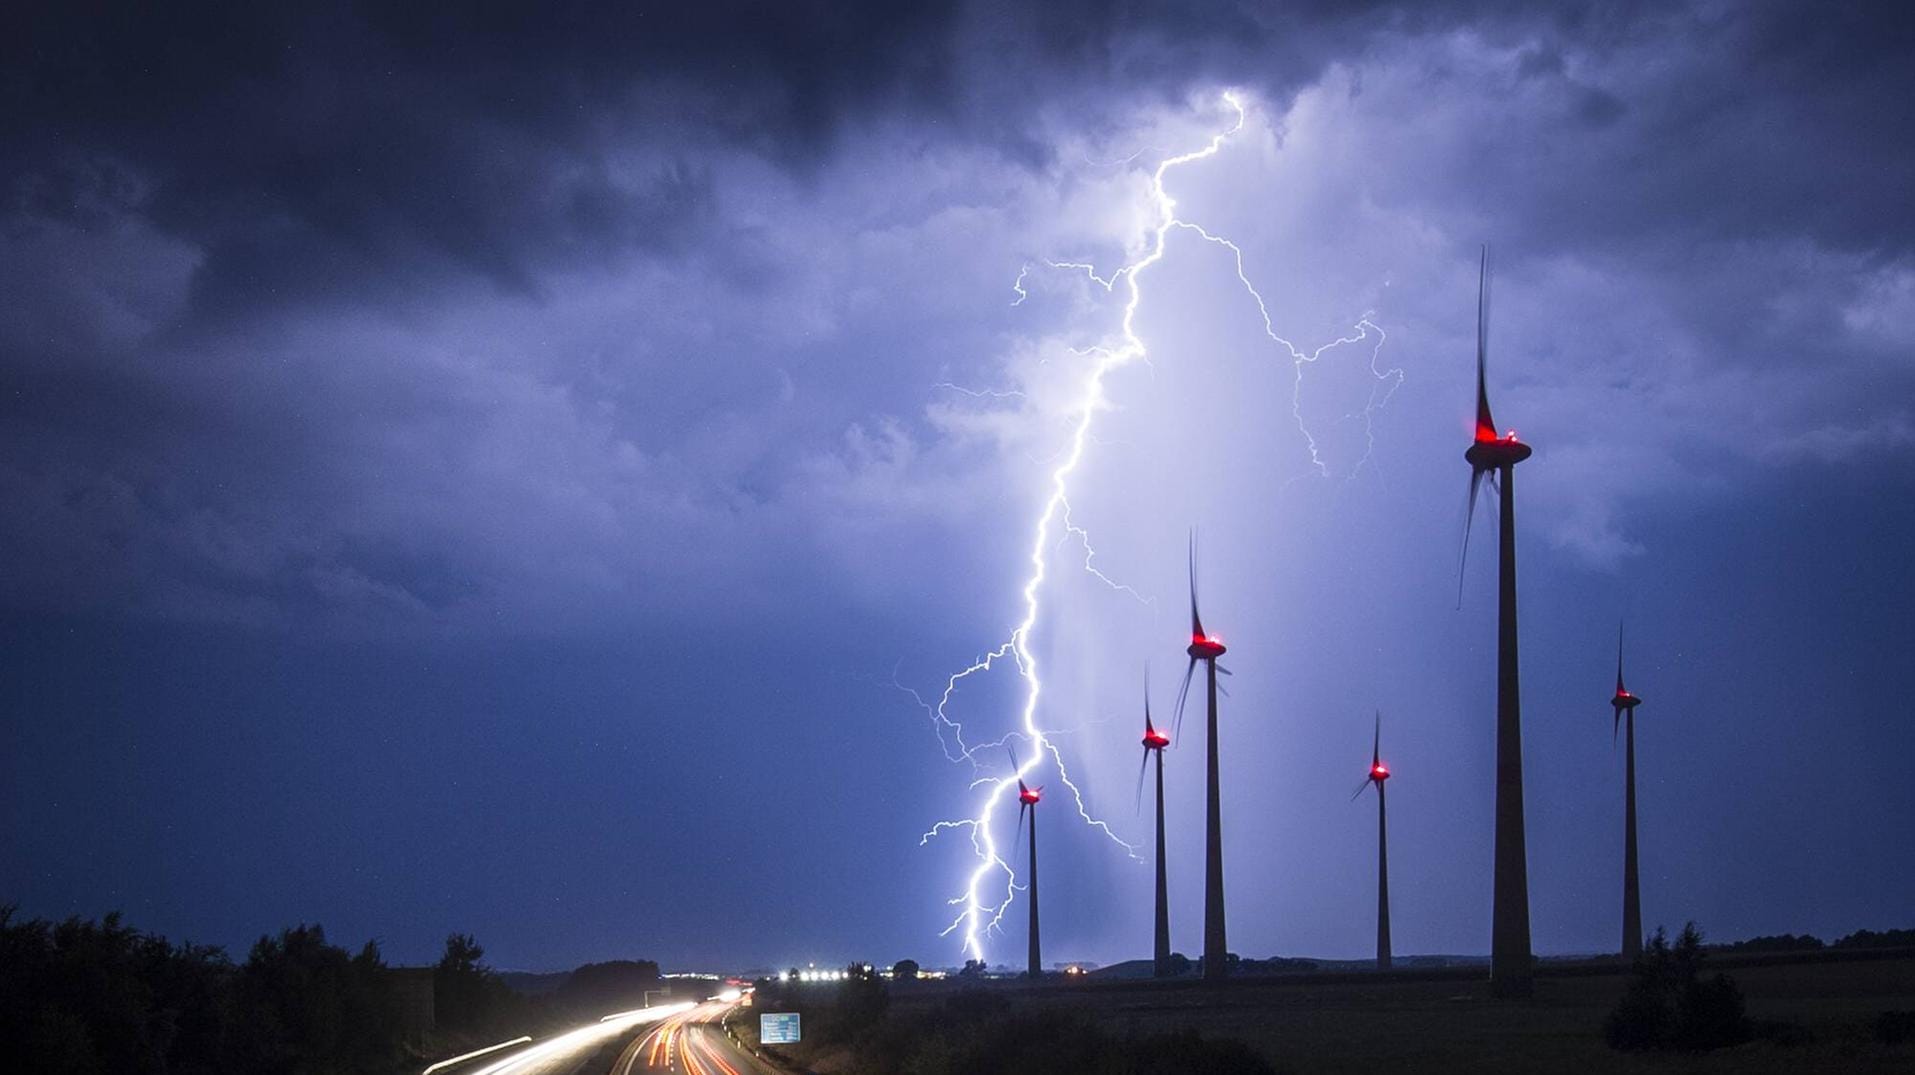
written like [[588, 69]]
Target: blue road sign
[[778, 1028]]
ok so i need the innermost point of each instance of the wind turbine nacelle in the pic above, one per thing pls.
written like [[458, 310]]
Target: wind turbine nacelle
[[1625, 700], [1499, 452], [1156, 741], [1205, 649]]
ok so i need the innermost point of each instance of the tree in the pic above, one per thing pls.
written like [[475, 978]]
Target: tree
[[306, 1007], [1670, 1006], [459, 984], [462, 953], [905, 970], [973, 968], [82, 996]]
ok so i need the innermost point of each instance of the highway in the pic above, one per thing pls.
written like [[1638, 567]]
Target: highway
[[687, 1038], [690, 1043]]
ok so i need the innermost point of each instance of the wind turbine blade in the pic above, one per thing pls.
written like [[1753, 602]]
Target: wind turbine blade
[[1619, 687], [1225, 671], [1140, 780], [1019, 839], [1183, 693], [1361, 788], [1615, 726], [1196, 621], [1469, 519], [1485, 425], [1376, 747]]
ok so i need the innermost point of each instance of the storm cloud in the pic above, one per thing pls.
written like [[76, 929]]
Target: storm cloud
[[465, 372]]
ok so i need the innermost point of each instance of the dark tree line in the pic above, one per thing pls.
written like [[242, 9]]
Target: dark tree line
[[1789, 942], [598, 988], [78, 997]]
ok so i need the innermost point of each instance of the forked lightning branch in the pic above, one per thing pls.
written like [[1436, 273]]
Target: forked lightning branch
[[993, 883]]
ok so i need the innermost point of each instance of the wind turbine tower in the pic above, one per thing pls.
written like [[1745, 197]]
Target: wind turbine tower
[[1625, 705], [1027, 799], [1154, 743], [1207, 649], [1380, 772], [1497, 455]]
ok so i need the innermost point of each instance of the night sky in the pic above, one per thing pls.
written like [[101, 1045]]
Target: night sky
[[500, 471]]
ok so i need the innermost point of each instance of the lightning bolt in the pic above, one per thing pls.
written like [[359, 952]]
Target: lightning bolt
[[978, 914]]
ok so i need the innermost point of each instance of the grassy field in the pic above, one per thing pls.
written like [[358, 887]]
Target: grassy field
[[1446, 1022]]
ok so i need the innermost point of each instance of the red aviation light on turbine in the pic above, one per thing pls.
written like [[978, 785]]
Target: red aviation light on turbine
[[1203, 645], [1379, 772], [1205, 648], [1154, 739], [1028, 796], [1623, 699]]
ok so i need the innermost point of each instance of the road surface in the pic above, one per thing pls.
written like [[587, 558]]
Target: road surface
[[563, 1054], [692, 1042], [684, 1039]]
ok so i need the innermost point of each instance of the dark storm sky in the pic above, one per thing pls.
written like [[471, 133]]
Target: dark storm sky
[[484, 471]]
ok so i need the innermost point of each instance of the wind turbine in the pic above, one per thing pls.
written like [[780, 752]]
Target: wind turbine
[[1207, 649], [1497, 455], [1625, 705], [1154, 743], [1027, 799], [1378, 773]]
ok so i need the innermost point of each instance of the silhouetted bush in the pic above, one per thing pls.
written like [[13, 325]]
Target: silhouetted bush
[[905, 970], [1670, 1006], [1640, 1020]]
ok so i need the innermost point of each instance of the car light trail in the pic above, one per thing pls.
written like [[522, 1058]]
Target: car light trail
[[977, 914], [581, 1038], [476, 1053]]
